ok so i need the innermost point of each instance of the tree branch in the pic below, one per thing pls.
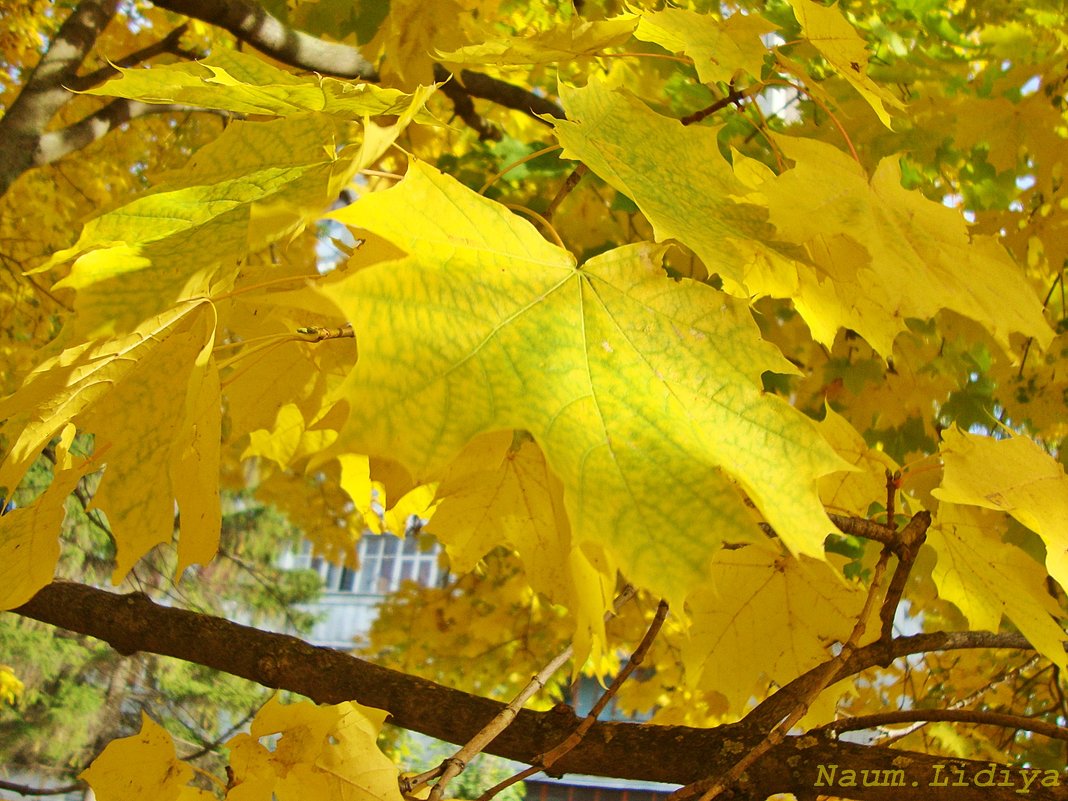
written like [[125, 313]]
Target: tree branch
[[23, 789], [250, 23], [978, 717], [673, 754], [168, 44], [54, 145], [883, 653], [44, 94]]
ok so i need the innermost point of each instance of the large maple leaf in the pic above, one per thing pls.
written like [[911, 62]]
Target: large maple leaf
[[643, 392]]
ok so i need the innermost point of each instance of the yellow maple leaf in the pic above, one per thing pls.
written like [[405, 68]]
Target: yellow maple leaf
[[246, 84], [643, 393], [500, 490], [1010, 475], [986, 578], [574, 39], [324, 752], [29, 540], [838, 42], [720, 49], [884, 254], [143, 767], [800, 607], [152, 400], [651, 158]]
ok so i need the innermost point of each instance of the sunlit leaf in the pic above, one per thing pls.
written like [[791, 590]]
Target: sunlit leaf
[[643, 392]]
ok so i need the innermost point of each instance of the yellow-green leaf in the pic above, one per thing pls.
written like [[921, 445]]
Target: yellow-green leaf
[[11, 686], [986, 578], [643, 392], [575, 38], [144, 767], [134, 261], [1015, 476], [839, 43], [720, 48], [245, 84], [679, 180]]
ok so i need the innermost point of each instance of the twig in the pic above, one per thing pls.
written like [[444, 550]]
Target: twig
[[548, 759], [453, 766], [974, 697], [1045, 304], [548, 226], [465, 110], [319, 333], [565, 190], [712, 787], [893, 484], [168, 44], [23, 789], [517, 163], [912, 537], [952, 715], [734, 97]]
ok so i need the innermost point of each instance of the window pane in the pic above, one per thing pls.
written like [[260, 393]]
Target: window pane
[[389, 544], [367, 575], [369, 546], [411, 545], [348, 578], [385, 575], [425, 577]]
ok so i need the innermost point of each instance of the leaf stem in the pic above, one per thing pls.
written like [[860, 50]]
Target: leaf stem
[[518, 163], [534, 215]]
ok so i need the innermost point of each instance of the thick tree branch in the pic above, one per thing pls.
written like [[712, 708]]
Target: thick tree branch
[[503, 93], [168, 44], [250, 23], [44, 94], [54, 145], [626, 750]]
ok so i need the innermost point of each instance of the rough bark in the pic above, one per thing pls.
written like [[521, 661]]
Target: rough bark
[[44, 92], [673, 754], [249, 22]]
